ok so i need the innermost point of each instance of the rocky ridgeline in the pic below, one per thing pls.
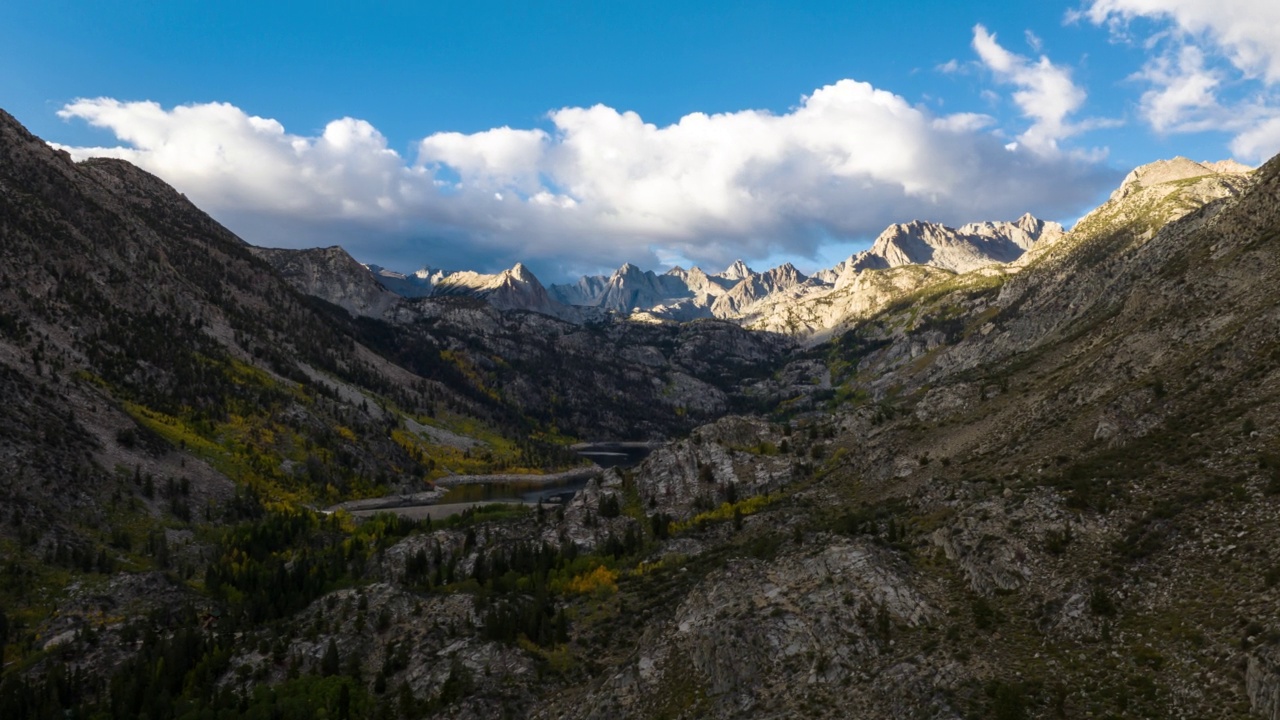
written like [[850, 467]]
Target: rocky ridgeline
[[733, 458], [970, 247], [905, 259], [780, 300]]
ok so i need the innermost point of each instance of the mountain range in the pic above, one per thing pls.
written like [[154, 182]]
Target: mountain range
[[1004, 470], [738, 293], [810, 308]]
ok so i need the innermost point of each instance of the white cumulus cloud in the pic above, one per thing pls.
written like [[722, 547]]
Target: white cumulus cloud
[[1045, 92], [1184, 93], [234, 161], [1247, 31], [1216, 66], [599, 186], [1260, 141]]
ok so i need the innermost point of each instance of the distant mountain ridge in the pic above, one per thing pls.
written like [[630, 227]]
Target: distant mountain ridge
[[903, 258], [736, 293], [961, 250]]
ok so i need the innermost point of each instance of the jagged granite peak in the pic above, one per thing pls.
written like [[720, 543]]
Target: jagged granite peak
[[585, 292], [740, 296], [613, 291], [628, 269], [1026, 232], [522, 273], [693, 300], [737, 271], [411, 285], [755, 287], [783, 277], [631, 288], [829, 276], [961, 250], [678, 293], [682, 295], [516, 288], [700, 283]]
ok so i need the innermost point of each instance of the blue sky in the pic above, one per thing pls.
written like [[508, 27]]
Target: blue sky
[[576, 136]]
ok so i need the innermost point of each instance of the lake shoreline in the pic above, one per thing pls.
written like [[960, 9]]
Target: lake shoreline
[[584, 473], [433, 497], [451, 486]]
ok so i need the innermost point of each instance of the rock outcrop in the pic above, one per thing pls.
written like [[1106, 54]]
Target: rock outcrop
[[960, 250], [333, 275]]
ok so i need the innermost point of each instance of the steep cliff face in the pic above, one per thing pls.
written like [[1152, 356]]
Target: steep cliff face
[[957, 249], [586, 291], [630, 287], [755, 287], [1262, 682], [332, 275]]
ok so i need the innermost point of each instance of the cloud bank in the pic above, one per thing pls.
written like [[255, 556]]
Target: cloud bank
[[592, 187], [599, 186]]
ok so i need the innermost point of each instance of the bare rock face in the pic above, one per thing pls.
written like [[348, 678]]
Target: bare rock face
[[735, 457], [816, 313], [986, 553], [627, 289], [513, 289], [961, 250], [581, 521], [755, 634], [780, 300], [381, 626], [1159, 193], [678, 294], [737, 271], [754, 287], [333, 275], [702, 284], [1262, 682], [586, 291], [944, 402], [904, 259], [1179, 168]]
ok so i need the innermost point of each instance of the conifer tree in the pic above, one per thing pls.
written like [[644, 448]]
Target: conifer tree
[[330, 664]]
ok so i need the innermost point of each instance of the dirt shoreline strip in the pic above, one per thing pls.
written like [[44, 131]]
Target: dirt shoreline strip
[[548, 479], [431, 497]]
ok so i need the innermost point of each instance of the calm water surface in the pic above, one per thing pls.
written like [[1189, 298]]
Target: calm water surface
[[606, 455]]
